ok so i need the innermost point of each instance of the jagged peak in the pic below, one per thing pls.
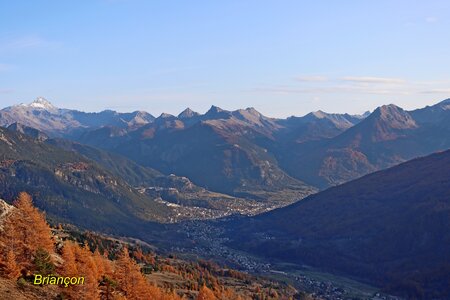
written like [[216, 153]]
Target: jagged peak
[[248, 111], [214, 109], [142, 114], [251, 116], [364, 115], [319, 114], [395, 116], [166, 116], [389, 109], [253, 111], [216, 112], [187, 113], [42, 103]]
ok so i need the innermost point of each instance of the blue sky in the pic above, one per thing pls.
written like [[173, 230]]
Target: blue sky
[[281, 57]]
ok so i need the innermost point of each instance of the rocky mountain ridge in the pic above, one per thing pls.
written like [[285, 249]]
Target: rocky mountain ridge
[[243, 148]]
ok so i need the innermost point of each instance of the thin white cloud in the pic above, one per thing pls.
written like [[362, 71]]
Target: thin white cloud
[[375, 80], [360, 85], [25, 42], [332, 90], [311, 78], [6, 91], [436, 91]]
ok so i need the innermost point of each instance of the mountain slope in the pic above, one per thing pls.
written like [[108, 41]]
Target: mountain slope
[[247, 151], [392, 226], [120, 166], [29, 131], [221, 150], [71, 187], [316, 126], [185, 199], [432, 114], [387, 137], [243, 152], [190, 201]]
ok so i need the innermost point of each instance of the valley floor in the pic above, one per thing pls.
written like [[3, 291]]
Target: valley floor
[[209, 244]]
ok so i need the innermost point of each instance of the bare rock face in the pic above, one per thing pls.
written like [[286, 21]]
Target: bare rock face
[[5, 209]]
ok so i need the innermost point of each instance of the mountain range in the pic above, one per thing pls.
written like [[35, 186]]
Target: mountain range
[[212, 149], [348, 194], [388, 136], [243, 152], [41, 114], [93, 188]]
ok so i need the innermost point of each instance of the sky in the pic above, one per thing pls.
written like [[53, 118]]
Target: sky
[[282, 57]]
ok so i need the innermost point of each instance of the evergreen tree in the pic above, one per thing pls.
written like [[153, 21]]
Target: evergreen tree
[[43, 264]]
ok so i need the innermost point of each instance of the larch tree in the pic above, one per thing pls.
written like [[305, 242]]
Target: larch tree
[[128, 275], [206, 294], [101, 265], [11, 269], [79, 262], [24, 232], [87, 268], [38, 235], [69, 267], [133, 284]]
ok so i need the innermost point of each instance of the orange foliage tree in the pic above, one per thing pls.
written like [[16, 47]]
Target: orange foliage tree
[[24, 232], [132, 282], [26, 244], [206, 294], [11, 269], [80, 262]]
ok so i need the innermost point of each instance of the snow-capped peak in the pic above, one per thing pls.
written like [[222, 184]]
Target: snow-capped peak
[[42, 103]]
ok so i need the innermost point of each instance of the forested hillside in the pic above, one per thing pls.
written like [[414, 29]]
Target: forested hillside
[[30, 248]]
